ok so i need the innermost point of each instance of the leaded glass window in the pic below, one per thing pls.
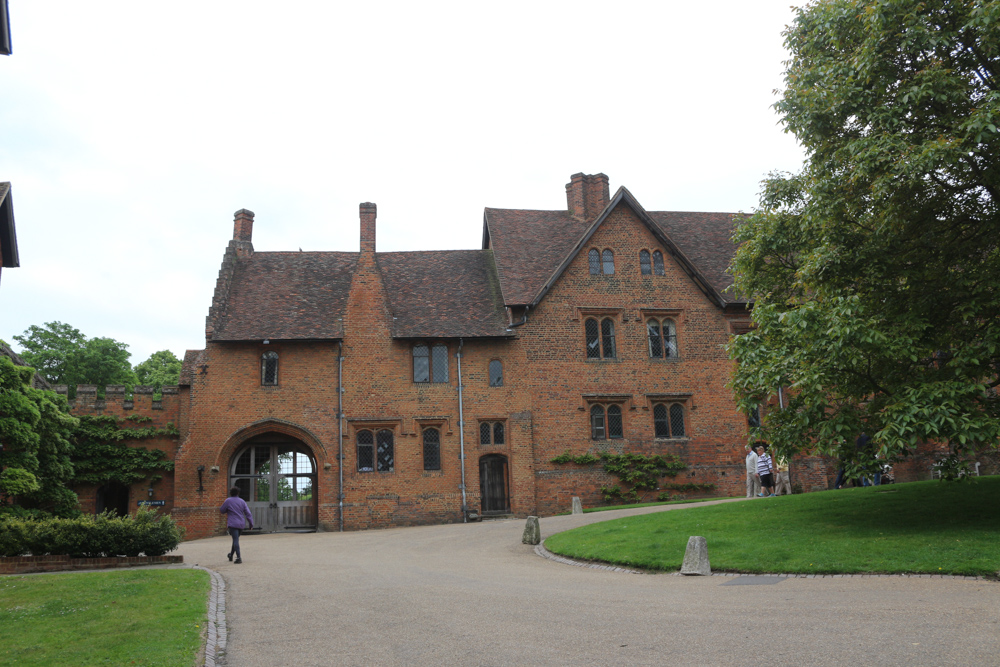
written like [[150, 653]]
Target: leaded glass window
[[498, 433], [366, 451], [384, 450], [608, 262], [597, 430], [658, 263], [614, 421], [485, 433], [430, 364], [644, 266], [677, 420], [432, 449], [608, 338], [421, 363], [496, 373], [594, 259], [269, 368], [662, 338], [661, 423], [491, 433], [593, 339]]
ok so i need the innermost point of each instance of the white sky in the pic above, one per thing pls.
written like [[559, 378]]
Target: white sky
[[131, 132]]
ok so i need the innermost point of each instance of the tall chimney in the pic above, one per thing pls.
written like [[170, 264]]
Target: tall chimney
[[587, 195], [368, 212], [243, 225]]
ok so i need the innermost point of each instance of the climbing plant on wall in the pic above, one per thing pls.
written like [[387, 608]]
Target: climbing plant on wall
[[101, 454], [637, 474]]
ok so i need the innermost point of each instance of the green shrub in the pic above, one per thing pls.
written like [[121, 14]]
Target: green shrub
[[145, 532]]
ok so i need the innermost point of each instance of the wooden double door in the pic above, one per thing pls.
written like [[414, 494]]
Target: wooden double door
[[277, 478], [494, 484]]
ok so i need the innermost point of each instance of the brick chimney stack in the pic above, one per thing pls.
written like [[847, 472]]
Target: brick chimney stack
[[587, 195], [243, 225], [368, 212]]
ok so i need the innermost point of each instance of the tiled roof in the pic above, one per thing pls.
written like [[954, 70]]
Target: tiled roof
[[443, 294], [706, 240], [529, 246], [192, 359], [287, 296]]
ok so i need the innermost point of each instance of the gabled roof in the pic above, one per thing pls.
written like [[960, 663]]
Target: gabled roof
[[443, 294], [287, 296], [533, 248], [8, 234], [527, 246]]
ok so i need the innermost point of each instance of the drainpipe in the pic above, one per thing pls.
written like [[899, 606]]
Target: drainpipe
[[340, 431], [781, 401], [461, 432]]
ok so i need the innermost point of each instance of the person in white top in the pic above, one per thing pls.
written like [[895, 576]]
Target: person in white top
[[753, 481], [764, 470]]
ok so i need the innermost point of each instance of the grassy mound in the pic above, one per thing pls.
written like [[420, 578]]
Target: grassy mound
[[922, 527]]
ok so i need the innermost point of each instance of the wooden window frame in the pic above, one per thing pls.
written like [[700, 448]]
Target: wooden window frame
[[430, 347]]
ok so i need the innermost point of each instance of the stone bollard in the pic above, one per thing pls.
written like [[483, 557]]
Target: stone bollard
[[532, 531], [696, 557], [577, 506]]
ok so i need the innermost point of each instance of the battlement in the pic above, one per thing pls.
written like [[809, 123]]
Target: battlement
[[115, 402]]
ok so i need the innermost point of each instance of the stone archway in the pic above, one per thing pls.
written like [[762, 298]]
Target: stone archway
[[276, 474]]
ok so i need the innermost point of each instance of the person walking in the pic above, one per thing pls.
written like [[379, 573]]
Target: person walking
[[239, 519], [753, 482], [764, 470]]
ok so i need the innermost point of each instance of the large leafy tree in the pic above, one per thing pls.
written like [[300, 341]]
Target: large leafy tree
[[35, 433], [163, 368], [875, 271], [63, 355]]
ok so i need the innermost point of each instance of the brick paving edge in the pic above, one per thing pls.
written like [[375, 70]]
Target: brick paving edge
[[545, 553], [215, 640]]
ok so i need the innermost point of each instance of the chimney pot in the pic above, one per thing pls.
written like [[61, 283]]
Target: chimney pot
[[587, 195]]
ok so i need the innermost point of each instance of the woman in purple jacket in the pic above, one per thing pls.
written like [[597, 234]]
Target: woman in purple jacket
[[239, 519]]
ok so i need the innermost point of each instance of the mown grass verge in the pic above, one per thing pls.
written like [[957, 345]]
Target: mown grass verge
[[121, 617], [922, 527]]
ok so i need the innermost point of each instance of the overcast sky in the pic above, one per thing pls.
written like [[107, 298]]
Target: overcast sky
[[131, 132]]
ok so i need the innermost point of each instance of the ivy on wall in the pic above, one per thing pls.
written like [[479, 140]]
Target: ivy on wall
[[638, 474], [101, 454]]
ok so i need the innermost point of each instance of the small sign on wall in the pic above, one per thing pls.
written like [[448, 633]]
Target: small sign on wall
[[152, 503]]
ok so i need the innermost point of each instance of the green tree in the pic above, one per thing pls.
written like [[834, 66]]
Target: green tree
[[162, 368], [875, 271], [35, 432], [63, 355]]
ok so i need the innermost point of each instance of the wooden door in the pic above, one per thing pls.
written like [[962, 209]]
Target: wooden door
[[278, 481], [493, 484]]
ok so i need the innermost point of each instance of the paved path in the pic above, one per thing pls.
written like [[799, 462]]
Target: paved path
[[474, 595]]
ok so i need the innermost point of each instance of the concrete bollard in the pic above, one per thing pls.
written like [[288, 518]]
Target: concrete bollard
[[696, 557], [577, 505], [532, 531]]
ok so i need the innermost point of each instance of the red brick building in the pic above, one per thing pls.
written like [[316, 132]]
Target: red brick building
[[366, 389]]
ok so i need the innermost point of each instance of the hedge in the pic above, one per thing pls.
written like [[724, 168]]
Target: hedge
[[89, 536]]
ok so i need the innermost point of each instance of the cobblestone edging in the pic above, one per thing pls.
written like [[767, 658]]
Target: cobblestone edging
[[215, 641], [545, 553]]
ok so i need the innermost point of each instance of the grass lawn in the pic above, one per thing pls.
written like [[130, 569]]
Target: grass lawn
[[922, 527], [118, 617]]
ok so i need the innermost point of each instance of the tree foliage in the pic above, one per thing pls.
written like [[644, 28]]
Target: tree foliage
[[163, 368], [875, 271], [63, 355], [35, 431]]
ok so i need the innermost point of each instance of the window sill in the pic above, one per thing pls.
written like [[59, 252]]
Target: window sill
[[270, 387], [664, 360], [683, 438], [612, 360]]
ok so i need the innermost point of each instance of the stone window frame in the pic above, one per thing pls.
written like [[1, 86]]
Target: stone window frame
[[495, 424], [594, 403], [433, 377], [651, 262], [269, 364], [375, 426], [599, 316], [684, 401], [661, 315]]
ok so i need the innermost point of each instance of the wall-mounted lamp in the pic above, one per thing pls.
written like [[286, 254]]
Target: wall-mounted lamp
[[150, 491], [214, 468], [267, 341], [201, 487]]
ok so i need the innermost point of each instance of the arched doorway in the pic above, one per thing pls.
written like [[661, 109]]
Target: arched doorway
[[494, 484], [276, 475], [113, 496]]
